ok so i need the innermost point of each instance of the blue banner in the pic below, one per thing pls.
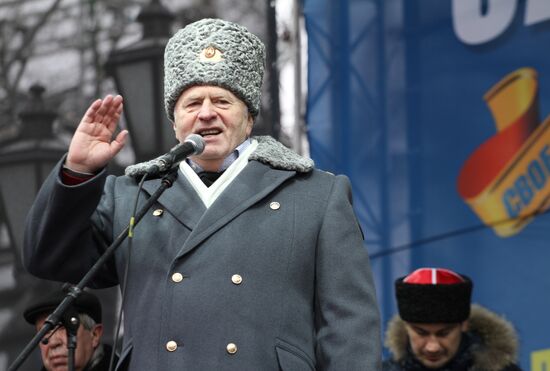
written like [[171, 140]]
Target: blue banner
[[439, 112]]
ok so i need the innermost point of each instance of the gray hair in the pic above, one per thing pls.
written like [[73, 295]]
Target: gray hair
[[88, 324]]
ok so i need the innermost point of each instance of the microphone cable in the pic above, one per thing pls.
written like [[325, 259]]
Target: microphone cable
[[46, 339], [126, 274]]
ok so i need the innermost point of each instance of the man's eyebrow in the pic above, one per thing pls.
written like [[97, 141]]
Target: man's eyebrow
[[450, 326], [192, 97], [446, 328], [418, 328], [222, 95]]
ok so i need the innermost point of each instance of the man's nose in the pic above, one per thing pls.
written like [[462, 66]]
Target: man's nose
[[432, 345], [206, 111], [58, 337]]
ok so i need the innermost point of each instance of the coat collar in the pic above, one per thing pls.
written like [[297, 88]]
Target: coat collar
[[270, 165], [253, 183], [186, 209], [498, 342], [276, 155]]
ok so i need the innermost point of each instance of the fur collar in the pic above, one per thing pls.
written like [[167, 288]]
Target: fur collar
[[275, 154], [269, 152], [498, 338]]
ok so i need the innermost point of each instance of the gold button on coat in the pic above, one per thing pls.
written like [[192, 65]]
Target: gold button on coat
[[171, 346], [177, 277], [275, 205], [236, 279], [158, 212], [231, 348]]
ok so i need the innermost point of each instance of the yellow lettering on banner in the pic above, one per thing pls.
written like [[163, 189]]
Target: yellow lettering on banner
[[540, 360], [512, 198], [518, 189]]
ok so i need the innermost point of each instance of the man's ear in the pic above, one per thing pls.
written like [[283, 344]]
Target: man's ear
[[175, 128], [249, 124], [97, 331], [465, 326]]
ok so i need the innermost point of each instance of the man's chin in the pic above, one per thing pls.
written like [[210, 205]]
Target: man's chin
[[435, 363], [59, 364], [212, 155]]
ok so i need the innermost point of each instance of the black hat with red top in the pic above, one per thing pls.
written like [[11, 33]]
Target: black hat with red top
[[434, 295]]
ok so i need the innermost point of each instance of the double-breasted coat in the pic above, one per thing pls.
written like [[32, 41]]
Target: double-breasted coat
[[272, 276]]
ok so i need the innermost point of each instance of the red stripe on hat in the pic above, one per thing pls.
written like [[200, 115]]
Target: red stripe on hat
[[433, 276]]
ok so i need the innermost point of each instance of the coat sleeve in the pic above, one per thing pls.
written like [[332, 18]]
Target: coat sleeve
[[60, 239], [347, 315]]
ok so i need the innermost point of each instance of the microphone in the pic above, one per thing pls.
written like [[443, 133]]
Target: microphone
[[70, 321], [45, 340], [193, 145]]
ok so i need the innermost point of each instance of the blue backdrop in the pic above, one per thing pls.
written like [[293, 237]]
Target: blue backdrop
[[396, 102]]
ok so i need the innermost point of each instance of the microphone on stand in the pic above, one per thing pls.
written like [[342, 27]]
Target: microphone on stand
[[70, 322], [46, 339], [192, 145]]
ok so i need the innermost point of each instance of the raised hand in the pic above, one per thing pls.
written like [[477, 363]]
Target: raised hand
[[92, 145]]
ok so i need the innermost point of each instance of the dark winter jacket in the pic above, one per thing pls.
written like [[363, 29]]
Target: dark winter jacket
[[490, 344]]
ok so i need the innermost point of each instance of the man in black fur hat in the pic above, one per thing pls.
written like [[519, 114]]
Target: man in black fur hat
[[438, 328]]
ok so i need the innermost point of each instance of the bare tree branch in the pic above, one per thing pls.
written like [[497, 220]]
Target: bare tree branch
[[30, 34]]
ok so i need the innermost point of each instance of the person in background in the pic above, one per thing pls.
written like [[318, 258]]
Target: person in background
[[439, 329], [90, 353], [252, 260]]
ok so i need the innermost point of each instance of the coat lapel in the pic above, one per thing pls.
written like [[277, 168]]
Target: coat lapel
[[180, 200], [254, 183]]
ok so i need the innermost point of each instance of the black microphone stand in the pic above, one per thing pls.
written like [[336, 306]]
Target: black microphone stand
[[71, 322], [74, 291]]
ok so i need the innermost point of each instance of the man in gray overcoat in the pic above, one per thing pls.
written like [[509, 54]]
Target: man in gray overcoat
[[252, 260]]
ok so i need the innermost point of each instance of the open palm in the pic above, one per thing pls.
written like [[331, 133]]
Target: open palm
[[92, 145]]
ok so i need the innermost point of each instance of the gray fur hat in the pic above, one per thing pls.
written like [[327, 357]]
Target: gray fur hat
[[214, 52]]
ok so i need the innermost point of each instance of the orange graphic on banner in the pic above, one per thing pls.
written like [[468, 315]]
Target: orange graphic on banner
[[506, 180]]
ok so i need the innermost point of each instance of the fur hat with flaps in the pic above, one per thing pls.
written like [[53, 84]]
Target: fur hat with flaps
[[214, 52], [434, 295]]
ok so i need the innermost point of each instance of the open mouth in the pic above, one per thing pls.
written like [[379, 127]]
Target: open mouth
[[209, 132]]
